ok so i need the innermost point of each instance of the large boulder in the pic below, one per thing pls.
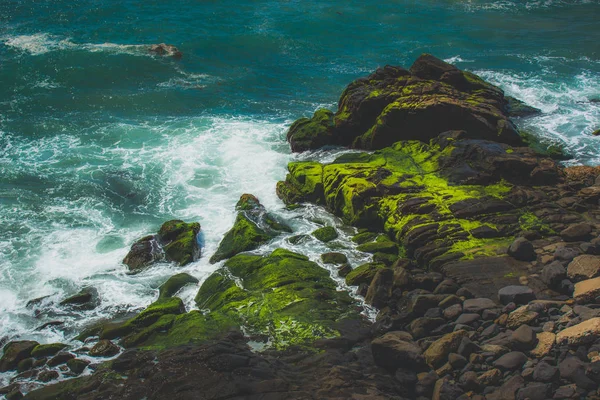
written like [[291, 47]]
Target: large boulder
[[306, 134], [584, 267], [253, 227], [15, 352], [176, 241], [395, 104], [397, 350]]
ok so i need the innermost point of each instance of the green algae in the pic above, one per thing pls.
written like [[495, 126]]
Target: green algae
[[283, 296], [401, 189], [47, 350], [363, 273], [334, 258], [181, 241], [311, 133], [244, 236], [174, 284]]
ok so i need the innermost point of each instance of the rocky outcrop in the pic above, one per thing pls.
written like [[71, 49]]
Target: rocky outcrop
[[253, 227], [176, 241], [395, 104]]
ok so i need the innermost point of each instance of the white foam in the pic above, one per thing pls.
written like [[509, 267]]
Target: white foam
[[457, 59], [568, 116]]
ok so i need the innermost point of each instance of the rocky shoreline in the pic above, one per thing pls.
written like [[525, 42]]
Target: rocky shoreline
[[485, 269]]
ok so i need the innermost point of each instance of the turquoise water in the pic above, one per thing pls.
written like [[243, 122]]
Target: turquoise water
[[101, 142]]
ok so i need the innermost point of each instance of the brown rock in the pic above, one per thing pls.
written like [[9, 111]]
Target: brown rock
[[437, 353], [521, 316], [584, 267], [396, 349], [104, 348], [544, 345], [587, 291], [585, 332], [490, 378]]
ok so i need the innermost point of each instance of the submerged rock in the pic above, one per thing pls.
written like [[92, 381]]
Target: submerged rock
[[253, 227], [163, 49], [176, 241], [86, 299]]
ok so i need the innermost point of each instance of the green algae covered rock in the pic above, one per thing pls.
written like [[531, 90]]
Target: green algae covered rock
[[179, 241], [395, 104], [174, 284], [334, 258], [325, 234], [363, 273], [306, 134], [284, 296], [148, 321], [176, 241], [47, 350], [14, 352], [253, 227], [456, 197]]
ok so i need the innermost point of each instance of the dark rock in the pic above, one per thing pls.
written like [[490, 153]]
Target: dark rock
[[452, 312], [422, 327], [565, 392], [447, 286], [469, 381], [60, 358], [426, 383], [457, 361], [566, 286], [25, 365], [176, 241], [467, 347], [450, 301], [478, 305], [396, 349], [576, 232], [344, 270], [511, 361], [508, 391], [104, 348], [467, 319], [86, 299], [573, 369], [47, 375], [553, 274], [566, 253], [464, 292], [15, 352], [380, 289], [434, 313], [517, 108], [522, 249], [545, 372], [163, 49], [77, 365], [516, 294], [534, 391], [175, 284], [446, 390], [523, 338]]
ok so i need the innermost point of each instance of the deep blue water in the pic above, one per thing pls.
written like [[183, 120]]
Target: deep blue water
[[101, 142]]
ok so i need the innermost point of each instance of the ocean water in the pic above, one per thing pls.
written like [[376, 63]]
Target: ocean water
[[101, 142]]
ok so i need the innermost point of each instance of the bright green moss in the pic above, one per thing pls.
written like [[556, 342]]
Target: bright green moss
[[530, 222], [387, 246], [378, 191], [244, 236], [181, 241], [363, 273], [47, 350], [174, 284]]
